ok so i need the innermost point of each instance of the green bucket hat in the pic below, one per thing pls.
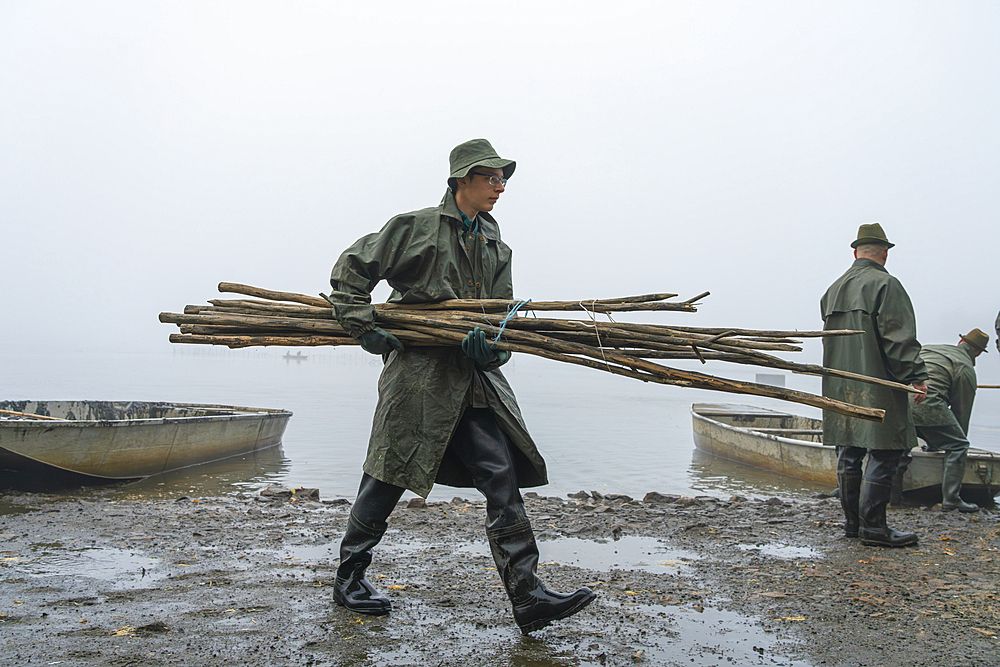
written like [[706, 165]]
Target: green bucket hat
[[976, 339], [477, 153], [871, 234]]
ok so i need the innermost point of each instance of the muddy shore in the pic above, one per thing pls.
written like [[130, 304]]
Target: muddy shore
[[105, 579]]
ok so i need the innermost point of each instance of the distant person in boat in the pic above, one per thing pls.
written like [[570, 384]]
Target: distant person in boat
[[445, 414], [867, 298], [943, 419]]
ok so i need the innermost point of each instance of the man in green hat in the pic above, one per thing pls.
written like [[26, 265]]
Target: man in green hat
[[943, 419], [444, 414], [867, 298]]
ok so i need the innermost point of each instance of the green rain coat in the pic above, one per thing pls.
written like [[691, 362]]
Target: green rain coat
[[951, 387], [868, 298], [425, 256]]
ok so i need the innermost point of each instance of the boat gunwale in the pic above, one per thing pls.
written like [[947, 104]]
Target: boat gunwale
[[235, 413], [769, 436], [916, 451]]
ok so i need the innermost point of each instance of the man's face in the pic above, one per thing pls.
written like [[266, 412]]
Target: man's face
[[476, 189]]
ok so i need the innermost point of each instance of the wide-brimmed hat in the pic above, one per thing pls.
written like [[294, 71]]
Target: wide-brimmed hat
[[976, 339], [477, 153], [871, 234]]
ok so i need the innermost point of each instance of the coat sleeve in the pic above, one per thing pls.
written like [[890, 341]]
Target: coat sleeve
[[897, 328], [963, 393], [373, 258]]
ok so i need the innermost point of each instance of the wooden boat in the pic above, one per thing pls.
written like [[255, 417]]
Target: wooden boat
[[792, 445], [102, 442]]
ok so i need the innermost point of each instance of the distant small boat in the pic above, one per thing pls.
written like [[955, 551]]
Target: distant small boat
[[297, 356], [792, 445], [104, 442]]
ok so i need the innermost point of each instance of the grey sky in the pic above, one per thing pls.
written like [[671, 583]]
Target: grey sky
[[150, 150]]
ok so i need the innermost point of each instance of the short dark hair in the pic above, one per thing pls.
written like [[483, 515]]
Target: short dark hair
[[453, 182]]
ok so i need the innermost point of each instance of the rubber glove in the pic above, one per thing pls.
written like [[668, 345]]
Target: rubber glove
[[481, 351], [379, 341]]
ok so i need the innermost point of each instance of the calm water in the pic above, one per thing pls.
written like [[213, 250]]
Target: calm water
[[597, 431]]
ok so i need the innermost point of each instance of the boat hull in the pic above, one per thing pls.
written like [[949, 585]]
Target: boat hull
[[792, 445], [129, 440]]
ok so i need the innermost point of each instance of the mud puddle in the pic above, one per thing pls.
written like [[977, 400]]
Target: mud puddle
[[626, 553], [107, 564], [784, 551]]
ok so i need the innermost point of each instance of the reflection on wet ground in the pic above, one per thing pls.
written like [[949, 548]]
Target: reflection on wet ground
[[8, 508], [777, 550], [669, 636], [122, 567], [626, 553]]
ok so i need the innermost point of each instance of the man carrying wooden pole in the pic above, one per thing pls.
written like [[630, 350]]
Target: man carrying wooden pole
[[866, 297], [445, 414]]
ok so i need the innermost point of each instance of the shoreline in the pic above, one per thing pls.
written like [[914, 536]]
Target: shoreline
[[246, 578]]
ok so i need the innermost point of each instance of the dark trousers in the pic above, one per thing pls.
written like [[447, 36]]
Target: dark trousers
[[484, 450], [882, 463], [948, 438]]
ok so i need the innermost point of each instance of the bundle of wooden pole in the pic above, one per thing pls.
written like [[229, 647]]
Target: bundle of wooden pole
[[627, 349]]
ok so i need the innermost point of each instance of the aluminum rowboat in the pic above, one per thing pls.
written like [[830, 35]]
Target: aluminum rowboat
[[792, 445], [111, 441]]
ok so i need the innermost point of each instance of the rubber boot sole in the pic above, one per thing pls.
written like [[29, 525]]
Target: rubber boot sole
[[869, 542]]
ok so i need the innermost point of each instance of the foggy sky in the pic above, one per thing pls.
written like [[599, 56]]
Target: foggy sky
[[150, 150]]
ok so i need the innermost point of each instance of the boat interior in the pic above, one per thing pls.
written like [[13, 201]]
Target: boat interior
[[104, 410], [763, 420]]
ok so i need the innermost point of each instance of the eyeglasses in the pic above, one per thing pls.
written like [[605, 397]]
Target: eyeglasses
[[494, 179]]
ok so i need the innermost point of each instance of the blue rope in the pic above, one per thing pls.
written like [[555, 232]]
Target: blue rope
[[511, 312]]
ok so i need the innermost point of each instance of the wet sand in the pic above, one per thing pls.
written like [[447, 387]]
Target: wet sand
[[246, 579]]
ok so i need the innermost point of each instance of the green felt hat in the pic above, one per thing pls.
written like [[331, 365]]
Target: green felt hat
[[977, 339], [871, 234], [477, 153]]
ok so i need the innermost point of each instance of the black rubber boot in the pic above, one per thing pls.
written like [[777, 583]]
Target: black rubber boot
[[896, 495], [875, 489], [516, 557], [952, 472], [484, 450], [849, 460], [365, 528]]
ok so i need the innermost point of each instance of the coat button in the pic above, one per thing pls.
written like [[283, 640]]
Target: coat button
[[470, 282], [478, 285]]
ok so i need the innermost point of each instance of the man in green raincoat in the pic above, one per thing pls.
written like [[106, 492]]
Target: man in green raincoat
[[444, 414], [867, 298], [942, 420]]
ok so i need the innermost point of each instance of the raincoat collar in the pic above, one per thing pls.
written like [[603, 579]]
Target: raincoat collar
[[969, 351], [869, 263], [487, 225]]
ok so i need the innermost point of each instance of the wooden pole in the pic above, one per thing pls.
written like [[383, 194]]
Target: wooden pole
[[31, 416], [627, 349], [603, 360]]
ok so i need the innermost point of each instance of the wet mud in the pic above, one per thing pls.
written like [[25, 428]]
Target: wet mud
[[108, 579]]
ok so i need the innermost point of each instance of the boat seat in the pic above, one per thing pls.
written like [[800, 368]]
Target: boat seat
[[788, 431]]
